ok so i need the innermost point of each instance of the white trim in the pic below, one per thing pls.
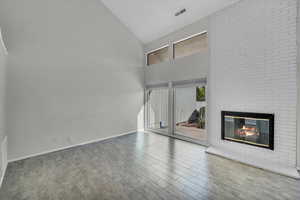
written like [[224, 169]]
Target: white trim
[[159, 48], [298, 86], [190, 83], [286, 171], [162, 85], [172, 85], [171, 108], [4, 159], [170, 45], [75, 145], [189, 37], [176, 84]]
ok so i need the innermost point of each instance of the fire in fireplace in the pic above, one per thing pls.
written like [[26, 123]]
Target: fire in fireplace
[[247, 131], [249, 128]]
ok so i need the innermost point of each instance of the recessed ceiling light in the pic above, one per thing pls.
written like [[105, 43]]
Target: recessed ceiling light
[[180, 12]]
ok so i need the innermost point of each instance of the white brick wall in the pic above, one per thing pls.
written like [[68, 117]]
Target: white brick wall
[[253, 69]]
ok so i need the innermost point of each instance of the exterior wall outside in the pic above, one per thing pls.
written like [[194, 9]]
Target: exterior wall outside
[[185, 103], [253, 68], [71, 67]]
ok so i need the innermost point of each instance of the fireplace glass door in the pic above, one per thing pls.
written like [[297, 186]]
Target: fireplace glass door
[[249, 128]]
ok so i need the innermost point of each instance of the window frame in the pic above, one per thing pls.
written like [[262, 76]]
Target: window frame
[[184, 39], [172, 86], [154, 50], [171, 44]]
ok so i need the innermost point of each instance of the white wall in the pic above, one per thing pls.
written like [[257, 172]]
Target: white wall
[[253, 68], [74, 74], [187, 68]]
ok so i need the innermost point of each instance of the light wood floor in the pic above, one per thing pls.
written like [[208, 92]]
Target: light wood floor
[[141, 166], [192, 132]]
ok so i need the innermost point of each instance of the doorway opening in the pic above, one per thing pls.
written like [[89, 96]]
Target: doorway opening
[[190, 112], [157, 109], [178, 109]]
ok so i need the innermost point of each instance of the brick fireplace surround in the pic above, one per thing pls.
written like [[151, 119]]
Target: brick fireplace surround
[[253, 68]]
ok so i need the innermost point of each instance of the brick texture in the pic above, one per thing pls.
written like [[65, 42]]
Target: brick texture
[[253, 69]]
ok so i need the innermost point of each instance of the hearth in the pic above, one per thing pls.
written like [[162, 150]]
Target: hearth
[[249, 128]]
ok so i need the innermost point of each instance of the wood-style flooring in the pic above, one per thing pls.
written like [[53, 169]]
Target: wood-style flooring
[[141, 166]]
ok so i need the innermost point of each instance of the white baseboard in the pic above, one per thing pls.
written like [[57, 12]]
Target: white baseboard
[[4, 159], [71, 146], [286, 171]]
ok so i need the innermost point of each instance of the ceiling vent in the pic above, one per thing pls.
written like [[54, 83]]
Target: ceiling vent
[[180, 12]]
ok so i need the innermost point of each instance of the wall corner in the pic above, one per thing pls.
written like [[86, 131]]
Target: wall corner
[[3, 161]]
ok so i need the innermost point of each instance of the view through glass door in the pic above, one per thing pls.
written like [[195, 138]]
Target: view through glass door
[[178, 110], [190, 112], [157, 109]]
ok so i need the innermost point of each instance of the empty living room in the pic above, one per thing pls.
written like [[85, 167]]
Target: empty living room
[[150, 100]]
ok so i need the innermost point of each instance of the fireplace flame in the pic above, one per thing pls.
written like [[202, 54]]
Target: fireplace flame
[[248, 131]]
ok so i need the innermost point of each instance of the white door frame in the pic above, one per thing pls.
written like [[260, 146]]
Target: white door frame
[[171, 114]]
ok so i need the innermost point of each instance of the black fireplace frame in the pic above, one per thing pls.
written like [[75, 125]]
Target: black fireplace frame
[[270, 117]]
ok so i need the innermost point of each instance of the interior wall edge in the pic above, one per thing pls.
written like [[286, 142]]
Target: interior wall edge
[[2, 44], [298, 85], [4, 159], [10, 160]]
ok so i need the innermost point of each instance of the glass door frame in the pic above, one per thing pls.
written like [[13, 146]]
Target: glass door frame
[[171, 107], [188, 85], [147, 109]]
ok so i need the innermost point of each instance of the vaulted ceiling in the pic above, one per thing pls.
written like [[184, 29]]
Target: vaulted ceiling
[[152, 19]]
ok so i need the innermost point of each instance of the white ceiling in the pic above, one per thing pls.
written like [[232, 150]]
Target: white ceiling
[[152, 19]]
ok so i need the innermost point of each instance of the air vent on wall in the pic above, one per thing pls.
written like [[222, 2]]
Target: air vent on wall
[[180, 12]]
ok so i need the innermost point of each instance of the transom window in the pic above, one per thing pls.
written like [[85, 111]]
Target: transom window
[[190, 46], [158, 56], [185, 47]]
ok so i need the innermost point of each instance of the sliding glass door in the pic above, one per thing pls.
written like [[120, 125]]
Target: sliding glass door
[[190, 112], [157, 109], [179, 110]]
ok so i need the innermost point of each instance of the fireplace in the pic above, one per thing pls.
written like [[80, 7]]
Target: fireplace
[[249, 128]]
